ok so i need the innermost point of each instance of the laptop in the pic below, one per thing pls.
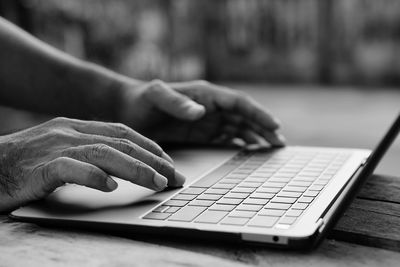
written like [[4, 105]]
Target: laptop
[[287, 197]]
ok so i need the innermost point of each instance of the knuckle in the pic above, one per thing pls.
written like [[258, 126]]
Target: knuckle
[[122, 129], [138, 168], [60, 120], [127, 146], [52, 170], [99, 151], [156, 86], [163, 167], [157, 150], [203, 83]]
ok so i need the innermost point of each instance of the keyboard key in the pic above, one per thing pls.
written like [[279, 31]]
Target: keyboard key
[[242, 214], [237, 195], [187, 214], [255, 201], [305, 179], [203, 203], [289, 194], [237, 176], [214, 176], [249, 207], [300, 183], [316, 188], [274, 179], [172, 209], [261, 174], [157, 216], [295, 189], [306, 199], [224, 186], [193, 191], [184, 197], [270, 212], [299, 206], [277, 185], [222, 207], [230, 181], [209, 197], [284, 174], [246, 184], [293, 213], [243, 190], [311, 193], [263, 221], [211, 216], [176, 203], [269, 190], [321, 182], [284, 200], [262, 195], [234, 221], [256, 180], [161, 209], [278, 206], [287, 220], [230, 201], [217, 191]]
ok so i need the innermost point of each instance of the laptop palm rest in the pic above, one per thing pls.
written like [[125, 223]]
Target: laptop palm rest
[[128, 201]]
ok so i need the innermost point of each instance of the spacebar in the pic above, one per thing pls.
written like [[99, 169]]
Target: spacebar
[[214, 176]]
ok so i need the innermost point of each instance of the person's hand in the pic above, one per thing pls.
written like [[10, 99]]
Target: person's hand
[[36, 161], [197, 112]]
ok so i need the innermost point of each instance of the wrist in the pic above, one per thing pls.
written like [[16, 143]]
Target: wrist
[[107, 92]]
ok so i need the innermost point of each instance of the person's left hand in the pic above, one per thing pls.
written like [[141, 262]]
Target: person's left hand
[[197, 112]]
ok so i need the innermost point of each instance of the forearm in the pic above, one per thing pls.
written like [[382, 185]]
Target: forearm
[[35, 76]]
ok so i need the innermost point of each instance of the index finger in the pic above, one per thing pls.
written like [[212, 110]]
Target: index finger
[[119, 130]]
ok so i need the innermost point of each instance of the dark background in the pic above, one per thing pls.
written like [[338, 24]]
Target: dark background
[[280, 41]]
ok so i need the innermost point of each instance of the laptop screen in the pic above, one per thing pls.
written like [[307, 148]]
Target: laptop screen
[[381, 148]]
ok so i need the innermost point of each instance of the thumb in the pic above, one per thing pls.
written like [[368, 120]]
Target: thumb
[[172, 102]]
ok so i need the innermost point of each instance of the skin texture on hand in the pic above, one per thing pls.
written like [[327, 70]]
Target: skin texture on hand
[[36, 161], [197, 112]]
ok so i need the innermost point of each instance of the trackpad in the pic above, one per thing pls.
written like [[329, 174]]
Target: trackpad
[[193, 163]]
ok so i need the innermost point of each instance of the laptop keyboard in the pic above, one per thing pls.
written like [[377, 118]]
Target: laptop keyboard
[[256, 189]]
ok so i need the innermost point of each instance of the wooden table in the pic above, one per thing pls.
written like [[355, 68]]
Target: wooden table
[[368, 233]]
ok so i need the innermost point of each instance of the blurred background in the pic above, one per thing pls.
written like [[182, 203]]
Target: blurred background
[[290, 41], [339, 58]]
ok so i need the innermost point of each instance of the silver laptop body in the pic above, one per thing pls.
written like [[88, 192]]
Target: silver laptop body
[[286, 197]]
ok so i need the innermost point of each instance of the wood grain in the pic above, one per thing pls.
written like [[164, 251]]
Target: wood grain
[[373, 219], [23, 244]]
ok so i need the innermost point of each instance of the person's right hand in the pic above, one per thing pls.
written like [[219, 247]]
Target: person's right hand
[[36, 161]]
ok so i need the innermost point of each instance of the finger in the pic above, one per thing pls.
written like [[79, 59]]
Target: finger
[[274, 138], [271, 136], [67, 170], [252, 138], [119, 130], [173, 103], [230, 100], [118, 164], [162, 166]]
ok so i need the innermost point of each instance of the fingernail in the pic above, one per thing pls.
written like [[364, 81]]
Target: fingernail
[[111, 184], [167, 157], [281, 139], [178, 181], [160, 181], [195, 110]]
